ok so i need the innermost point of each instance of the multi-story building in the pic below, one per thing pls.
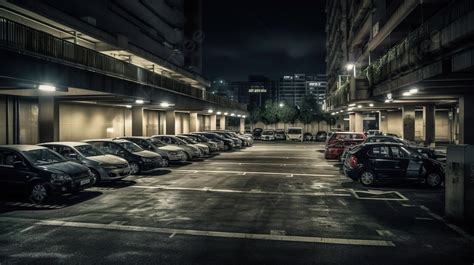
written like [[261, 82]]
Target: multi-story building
[[292, 88], [317, 88], [255, 91], [106, 68], [408, 62]]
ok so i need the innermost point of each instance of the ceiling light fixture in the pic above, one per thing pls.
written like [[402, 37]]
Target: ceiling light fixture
[[47, 88]]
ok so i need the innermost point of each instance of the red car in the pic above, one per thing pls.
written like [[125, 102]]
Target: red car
[[339, 141]]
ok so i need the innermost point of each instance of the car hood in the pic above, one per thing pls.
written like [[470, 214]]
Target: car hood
[[202, 145], [146, 153], [69, 168], [108, 159], [170, 148]]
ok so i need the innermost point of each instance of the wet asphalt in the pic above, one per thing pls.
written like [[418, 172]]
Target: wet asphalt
[[273, 203]]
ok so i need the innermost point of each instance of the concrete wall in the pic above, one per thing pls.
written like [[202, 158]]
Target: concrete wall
[[28, 116], [394, 122], [314, 127], [3, 120], [441, 125], [83, 121], [154, 122]]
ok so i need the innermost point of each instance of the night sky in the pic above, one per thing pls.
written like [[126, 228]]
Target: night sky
[[268, 37]]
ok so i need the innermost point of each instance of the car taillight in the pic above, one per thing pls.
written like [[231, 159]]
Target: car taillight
[[352, 161]]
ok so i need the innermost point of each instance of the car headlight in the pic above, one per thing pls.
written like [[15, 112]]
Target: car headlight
[[55, 178]]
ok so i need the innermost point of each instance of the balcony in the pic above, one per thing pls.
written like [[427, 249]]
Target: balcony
[[20, 38]]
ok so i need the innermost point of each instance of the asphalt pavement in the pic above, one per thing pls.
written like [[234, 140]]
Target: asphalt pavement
[[273, 203]]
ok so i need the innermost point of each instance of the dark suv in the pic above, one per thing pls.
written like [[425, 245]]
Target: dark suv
[[40, 172]]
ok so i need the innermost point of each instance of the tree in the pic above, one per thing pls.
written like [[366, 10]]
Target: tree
[[255, 114], [287, 113], [309, 109], [270, 112]]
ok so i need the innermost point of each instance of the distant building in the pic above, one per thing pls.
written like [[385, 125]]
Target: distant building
[[221, 87], [292, 88], [255, 91]]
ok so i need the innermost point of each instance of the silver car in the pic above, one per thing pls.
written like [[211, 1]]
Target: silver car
[[190, 150], [204, 148], [169, 153], [103, 166]]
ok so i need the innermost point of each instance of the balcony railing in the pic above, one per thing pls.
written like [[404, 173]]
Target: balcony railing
[[28, 40]]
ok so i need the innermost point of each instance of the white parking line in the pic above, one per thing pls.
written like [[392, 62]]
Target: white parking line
[[452, 226], [204, 233], [283, 157], [254, 191], [267, 164], [255, 172]]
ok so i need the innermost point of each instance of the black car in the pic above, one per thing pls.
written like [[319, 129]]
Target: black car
[[430, 153], [372, 162], [40, 172], [257, 133], [138, 158], [228, 143], [321, 136]]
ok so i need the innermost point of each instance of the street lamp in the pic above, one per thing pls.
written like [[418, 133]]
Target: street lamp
[[351, 67], [281, 105]]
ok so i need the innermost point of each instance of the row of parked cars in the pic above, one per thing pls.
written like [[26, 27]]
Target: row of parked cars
[[379, 157], [68, 167], [293, 134]]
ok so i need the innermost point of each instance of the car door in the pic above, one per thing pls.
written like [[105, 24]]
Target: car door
[[382, 162], [409, 165], [13, 179]]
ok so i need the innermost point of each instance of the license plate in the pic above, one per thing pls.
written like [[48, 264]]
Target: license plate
[[85, 181]]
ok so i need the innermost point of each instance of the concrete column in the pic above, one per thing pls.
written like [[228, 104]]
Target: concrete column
[[359, 122], [352, 122], [429, 124], [138, 127], [242, 125], [48, 119], [408, 116], [222, 122], [466, 119], [383, 121], [170, 122], [193, 122], [213, 122]]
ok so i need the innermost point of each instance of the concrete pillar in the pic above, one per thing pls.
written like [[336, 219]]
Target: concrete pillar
[[408, 116], [359, 122], [352, 122], [193, 122], [429, 124], [383, 121], [466, 119], [213, 122], [137, 121], [170, 122], [242, 125], [48, 119], [222, 122]]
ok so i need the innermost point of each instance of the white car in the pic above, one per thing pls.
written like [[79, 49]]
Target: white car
[[295, 134], [268, 135]]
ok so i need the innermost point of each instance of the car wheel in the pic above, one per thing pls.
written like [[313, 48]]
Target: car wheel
[[188, 157], [38, 192], [433, 180], [96, 175], [134, 168], [367, 178], [166, 162]]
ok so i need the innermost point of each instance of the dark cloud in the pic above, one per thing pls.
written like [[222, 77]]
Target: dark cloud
[[263, 37]]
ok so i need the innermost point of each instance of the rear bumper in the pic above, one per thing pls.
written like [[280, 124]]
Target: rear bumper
[[74, 186], [333, 153]]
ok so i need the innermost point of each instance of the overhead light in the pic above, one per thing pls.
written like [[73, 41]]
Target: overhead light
[[387, 100], [239, 115], [232, 114], [210, 111], [352, 105], [406, 94], [349, 109], [128, 106], [243, 116], [333, 113], [341, 111], [226, 113], [350, 66], [371, 104], [218, 113], [414, 90], [164, 104], [139, 101], [359, 106], [110, 130], [47, 88]]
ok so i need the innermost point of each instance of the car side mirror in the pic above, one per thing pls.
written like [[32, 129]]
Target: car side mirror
[[19, 165]]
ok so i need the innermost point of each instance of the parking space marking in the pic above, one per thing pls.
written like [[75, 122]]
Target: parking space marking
[[255, 172], [378, 192], [27, 229], [385, 233], [205, 233], [267, 164], [452, 226], [284, 157]]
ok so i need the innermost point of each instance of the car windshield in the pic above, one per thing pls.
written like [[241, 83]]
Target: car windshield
[[131, 147], [45, 156], [157, 142], [179, 140], [348, 136], [187, 140], [88, 150], [294, 131]]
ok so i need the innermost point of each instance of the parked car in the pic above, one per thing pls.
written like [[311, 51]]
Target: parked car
[[247, 137], [373, 132], [245, 140], [202, 147], [170, 154], [391, 134], [371, 162], [228, 143], [321, 136], [139, 160], [295, 134], [280, 134], [191, 151], [103, 166], [307, 136], [257, 133], [40, 172], [268, 135], [339, 141], [237, 142], [213, 146]]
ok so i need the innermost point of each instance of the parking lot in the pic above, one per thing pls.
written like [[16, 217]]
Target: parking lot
[[273, 203]]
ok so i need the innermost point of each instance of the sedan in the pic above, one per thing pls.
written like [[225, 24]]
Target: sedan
[[190, 150], [202, 147], [170, 154], [213, 146], [268, 135], [103, 166], [371, 162], [40, 172]]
